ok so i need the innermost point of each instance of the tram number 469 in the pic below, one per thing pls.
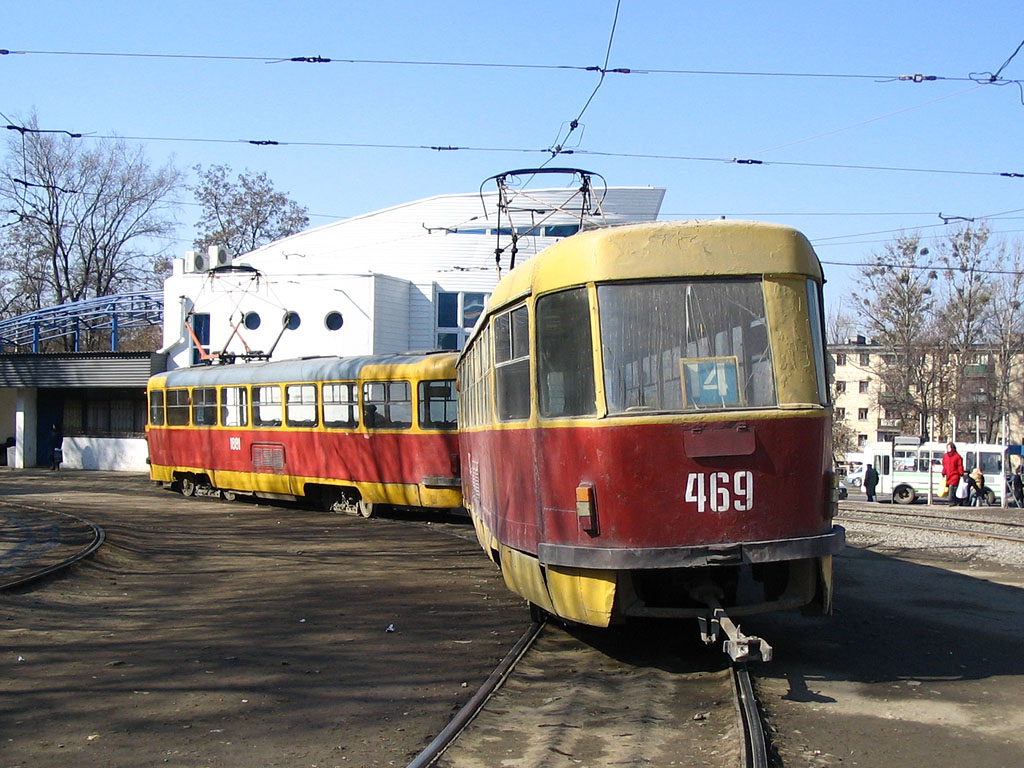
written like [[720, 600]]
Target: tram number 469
[[721, 491]]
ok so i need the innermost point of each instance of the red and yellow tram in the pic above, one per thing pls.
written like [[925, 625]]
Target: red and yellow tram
[[341, 432], [645, 424]]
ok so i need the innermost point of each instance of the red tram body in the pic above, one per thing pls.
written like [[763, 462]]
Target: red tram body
[[351, 432], [645, 425]]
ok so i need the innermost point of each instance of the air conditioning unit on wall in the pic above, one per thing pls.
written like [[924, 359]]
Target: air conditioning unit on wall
[[196, 261], [218, 256]]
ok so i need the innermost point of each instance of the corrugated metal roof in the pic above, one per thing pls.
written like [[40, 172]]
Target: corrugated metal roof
[[82, 369]]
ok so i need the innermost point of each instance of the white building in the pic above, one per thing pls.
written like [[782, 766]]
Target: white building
[[411, 277]]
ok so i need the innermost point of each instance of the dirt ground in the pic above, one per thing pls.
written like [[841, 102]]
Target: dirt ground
[[921, 665], [208, 633]]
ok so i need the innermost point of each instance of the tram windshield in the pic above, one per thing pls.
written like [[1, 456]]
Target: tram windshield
[[685, 345]]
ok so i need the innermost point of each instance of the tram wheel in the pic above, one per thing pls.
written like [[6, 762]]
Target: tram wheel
[[366, 509], [227, 495], [188, 485]]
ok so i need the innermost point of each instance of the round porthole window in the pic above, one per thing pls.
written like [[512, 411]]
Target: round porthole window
[[334, 321], [292, 320], [251, 320]]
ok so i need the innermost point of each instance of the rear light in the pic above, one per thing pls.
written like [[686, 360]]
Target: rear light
[[586, 508], [454, 464]]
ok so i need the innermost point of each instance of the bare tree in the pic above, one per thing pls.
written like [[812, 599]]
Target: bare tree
[[897, 311], [82, 219], [1006, 330], [242, 215], [965, 318]]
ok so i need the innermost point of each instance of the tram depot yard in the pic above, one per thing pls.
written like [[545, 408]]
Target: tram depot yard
[[210, 633]]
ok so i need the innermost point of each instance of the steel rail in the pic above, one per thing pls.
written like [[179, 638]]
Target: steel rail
[[936, 528], [98, 537], [754, 749], [472, 707], [926, 516]]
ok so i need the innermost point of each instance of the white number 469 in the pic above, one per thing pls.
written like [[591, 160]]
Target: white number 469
[[721, 491]]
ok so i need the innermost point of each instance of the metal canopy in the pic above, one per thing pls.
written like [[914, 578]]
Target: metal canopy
[[105, 313]]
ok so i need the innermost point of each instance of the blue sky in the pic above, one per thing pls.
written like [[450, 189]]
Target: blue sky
[[802, 128]]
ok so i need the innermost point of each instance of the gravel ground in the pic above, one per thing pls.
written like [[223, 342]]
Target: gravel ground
[[955, 546]]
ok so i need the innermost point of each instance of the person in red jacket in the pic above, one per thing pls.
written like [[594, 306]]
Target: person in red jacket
[[952, 470]]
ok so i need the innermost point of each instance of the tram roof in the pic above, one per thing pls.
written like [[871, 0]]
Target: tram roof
[[663, 249], [311, 369]]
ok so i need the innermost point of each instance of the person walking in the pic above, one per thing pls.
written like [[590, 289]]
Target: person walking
[[952, 470], [56, 448], [1017, 484], [870, 481], [976, 480]]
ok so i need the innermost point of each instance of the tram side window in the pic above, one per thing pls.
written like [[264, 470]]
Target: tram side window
[[512, 364], [177, 407], [266, 406], [156, 408], [204, 406], [387, 404], [565, 356], [300, 405], [341, 406], [437, 404], [234, 411]]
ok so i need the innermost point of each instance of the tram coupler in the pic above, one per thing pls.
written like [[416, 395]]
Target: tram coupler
[[738, 646]]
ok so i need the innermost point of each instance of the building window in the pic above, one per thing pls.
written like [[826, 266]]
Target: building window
[[292, 321], [841, 359], [333, 321], [455, 316], [862, 414], [840, 413], [862, 440], [840, 387], [865, 358], [252, 320], [201, 342], [863, 387]]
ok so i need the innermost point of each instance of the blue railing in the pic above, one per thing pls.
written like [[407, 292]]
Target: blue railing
[[105, 313]]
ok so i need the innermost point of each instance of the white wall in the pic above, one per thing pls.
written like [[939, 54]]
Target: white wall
[[119, 454]]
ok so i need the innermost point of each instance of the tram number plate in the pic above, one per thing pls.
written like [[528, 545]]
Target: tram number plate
[[721, 491], [234, 443]]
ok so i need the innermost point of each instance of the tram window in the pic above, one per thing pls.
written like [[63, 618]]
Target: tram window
[[341, 406], [565, 364], [713, 330], [177, 407], [204, 406], [234, 411], [512, 364], [387, 404], [300, 405], [266, 406], [156, 408], [437, 404]]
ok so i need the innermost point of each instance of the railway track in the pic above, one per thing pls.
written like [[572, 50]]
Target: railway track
[[606, 698], [36, 543], [982, 527]]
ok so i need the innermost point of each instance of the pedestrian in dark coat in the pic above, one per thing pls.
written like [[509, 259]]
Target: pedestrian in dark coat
[[870, 482], [56, 448]]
